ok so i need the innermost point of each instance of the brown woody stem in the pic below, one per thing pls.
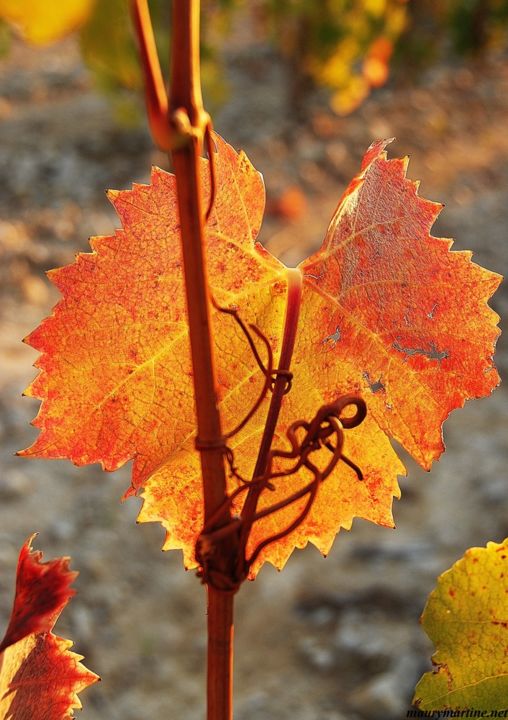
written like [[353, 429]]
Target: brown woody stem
[[220, 655], [189, 121], [180, 125]]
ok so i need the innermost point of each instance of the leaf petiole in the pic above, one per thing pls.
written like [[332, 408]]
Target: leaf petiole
[[294, 297]]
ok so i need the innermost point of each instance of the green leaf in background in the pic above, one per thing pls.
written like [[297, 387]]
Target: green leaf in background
[[346, 46], [466, 617], [109, 50], [108, 45]]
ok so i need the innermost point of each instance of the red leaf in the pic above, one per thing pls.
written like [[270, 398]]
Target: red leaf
[[42, 591], [39, 676]]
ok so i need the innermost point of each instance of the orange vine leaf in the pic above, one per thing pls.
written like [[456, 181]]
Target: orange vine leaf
[[39, 677], [405, 319], [387, 311]]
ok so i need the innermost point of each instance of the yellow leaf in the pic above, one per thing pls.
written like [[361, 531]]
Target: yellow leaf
[[376, 8], [466, 618], [42, 21], [348, 98]]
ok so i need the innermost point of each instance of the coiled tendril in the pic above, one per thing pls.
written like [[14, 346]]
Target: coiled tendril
[[324, 431]]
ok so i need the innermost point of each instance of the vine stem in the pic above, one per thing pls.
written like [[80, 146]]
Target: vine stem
[[179, 125], [185, 95], [294, 296]]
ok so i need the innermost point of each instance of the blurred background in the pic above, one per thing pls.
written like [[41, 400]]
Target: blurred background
[[304, 86]]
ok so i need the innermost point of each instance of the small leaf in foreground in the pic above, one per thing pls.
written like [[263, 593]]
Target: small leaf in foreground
[[466, 617], [387, 312], [42, 591], [40, 677]]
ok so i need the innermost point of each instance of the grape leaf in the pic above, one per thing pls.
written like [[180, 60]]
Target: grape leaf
[[382, 313], [415, 332], [41, 22], [42, 591], [39, 677], [466, 617]]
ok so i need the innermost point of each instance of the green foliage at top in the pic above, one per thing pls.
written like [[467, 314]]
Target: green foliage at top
[[109, 50], [346, 46]]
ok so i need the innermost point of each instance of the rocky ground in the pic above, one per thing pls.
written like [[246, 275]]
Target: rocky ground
[[325, 639]]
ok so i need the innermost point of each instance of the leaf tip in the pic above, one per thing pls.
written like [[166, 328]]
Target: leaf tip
[[157, 172], [112, 195], [30, 539], [375, 150]]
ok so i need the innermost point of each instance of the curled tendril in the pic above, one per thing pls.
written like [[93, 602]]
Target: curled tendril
[[267, 370], [325, 430]]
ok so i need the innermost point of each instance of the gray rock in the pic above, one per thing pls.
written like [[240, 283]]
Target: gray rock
[[14, 485], [318, 655], [379, 698]]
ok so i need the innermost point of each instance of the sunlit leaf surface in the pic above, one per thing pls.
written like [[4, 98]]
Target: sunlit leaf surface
[[40, 677], [466, 618], [387, 311]]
